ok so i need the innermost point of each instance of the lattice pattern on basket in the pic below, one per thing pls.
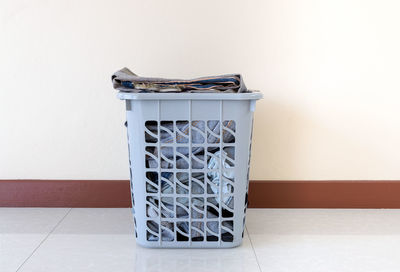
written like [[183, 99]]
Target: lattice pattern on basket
[[246, 202], [190, 180], [131, 182]]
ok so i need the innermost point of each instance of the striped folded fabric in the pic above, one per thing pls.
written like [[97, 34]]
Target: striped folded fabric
[[126, 81]]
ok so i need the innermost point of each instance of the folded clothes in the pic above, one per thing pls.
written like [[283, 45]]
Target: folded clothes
[[127, 81]]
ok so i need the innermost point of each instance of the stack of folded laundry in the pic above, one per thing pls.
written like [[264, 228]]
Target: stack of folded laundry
[[126, 81]]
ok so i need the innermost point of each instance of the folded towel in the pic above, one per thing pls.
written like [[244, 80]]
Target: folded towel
[[126, 81]]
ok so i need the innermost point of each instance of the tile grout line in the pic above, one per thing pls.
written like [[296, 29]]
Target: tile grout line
[[45, 238], [255, 254]]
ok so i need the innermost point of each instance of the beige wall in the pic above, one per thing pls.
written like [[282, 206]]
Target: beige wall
[[329, 71]]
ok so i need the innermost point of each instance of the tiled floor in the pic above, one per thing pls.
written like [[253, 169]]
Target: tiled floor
[[38, 239]]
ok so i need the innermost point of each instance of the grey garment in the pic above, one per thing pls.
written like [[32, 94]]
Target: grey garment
[[201, 132], [228, 176], [127, 81], [168, 227], [167, 204], [181, 135]]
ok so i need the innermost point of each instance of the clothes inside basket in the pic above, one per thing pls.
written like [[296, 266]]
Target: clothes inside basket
[[203, 181]]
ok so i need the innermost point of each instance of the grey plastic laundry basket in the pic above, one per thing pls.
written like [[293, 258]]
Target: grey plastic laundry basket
[[193, 212]]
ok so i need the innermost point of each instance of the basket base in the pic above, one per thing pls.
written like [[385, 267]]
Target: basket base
[[165, 244]]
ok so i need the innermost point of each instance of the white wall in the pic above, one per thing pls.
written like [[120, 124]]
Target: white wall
[[329, 71]]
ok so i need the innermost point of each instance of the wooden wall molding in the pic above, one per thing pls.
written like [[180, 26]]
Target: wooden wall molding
[[65, 193], [325, 194], [262, 194]]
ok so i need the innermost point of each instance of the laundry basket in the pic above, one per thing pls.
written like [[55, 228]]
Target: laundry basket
[[179, 153]]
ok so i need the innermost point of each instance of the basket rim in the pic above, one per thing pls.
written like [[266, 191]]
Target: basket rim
[[253, 95]]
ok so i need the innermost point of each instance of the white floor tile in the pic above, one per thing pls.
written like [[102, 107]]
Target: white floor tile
[[323, 221], [344, 253], [326, 240], [102, 240], [22, 230], [97, 221], [84, 252], [283, 239]]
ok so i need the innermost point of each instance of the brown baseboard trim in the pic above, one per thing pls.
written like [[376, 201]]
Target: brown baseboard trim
[[262, 194], [325, 194], [65, 193]]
